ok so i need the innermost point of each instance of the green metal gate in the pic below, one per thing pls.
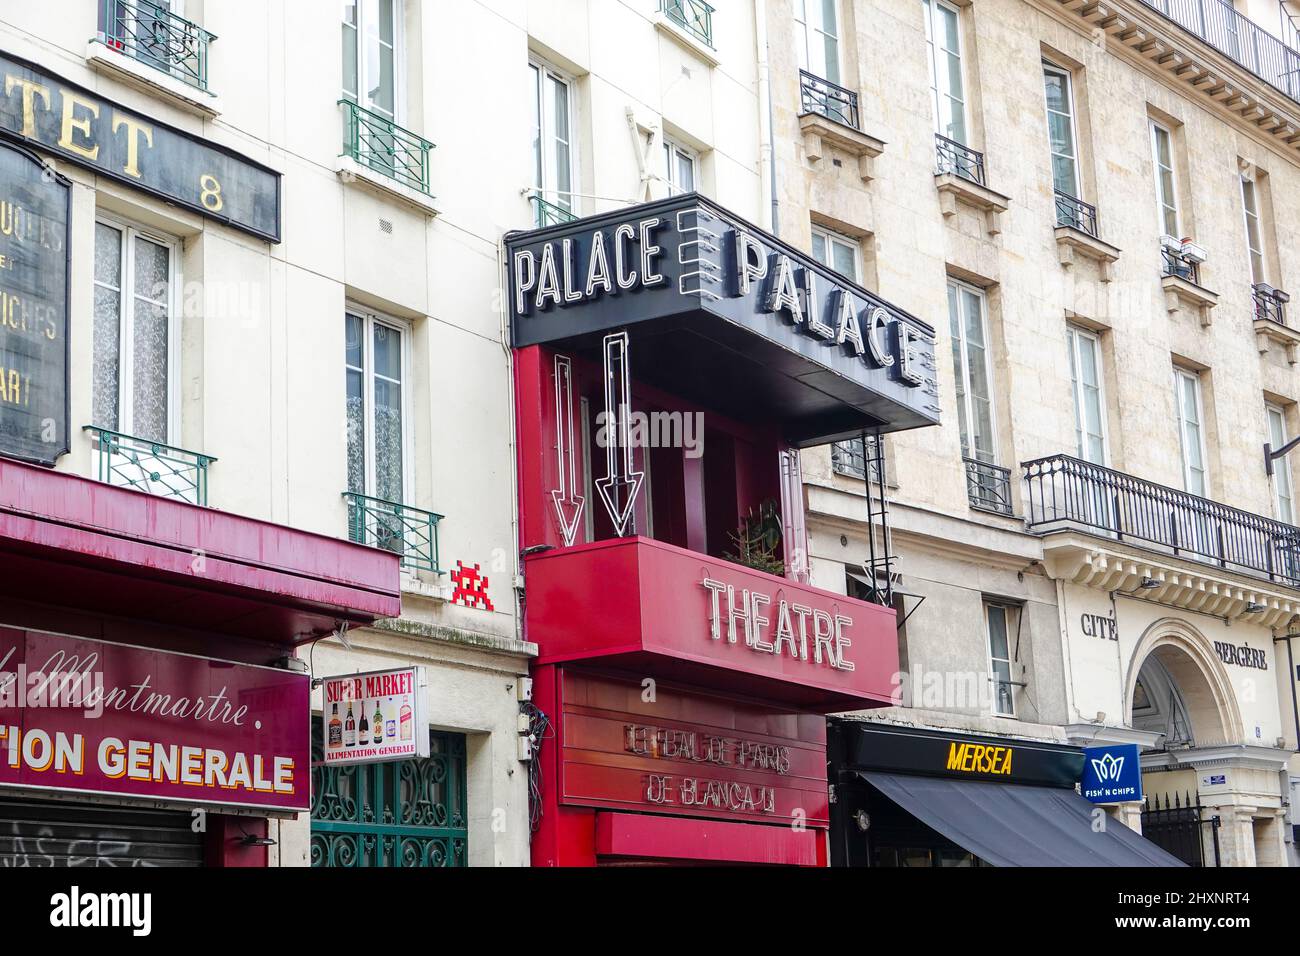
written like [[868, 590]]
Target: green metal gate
[[409, 813]]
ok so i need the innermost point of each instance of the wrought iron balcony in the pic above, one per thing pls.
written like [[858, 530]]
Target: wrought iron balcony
[[959, 160], [1065, 492], [401, 529], [157, 38], [150, 466], [1270, 303], [1239, 38], [693, 16], [549, 214], [1076, 214], [828, 99], [380, 144], [988, 487], [1177, 264], [856, 459]]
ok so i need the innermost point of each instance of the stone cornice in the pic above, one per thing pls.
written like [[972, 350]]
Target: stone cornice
[[1143, 34]]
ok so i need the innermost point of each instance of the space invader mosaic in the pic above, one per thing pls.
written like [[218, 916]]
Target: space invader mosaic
[[471, 588]]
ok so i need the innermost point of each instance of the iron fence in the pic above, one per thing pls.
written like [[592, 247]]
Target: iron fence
[[988, 487], [150, 466], [155, 36], [1076, 214], [1269, 303], [1177, 264], [828, 99], [953, 157], [693, 16], [377, 142], [401, 529]]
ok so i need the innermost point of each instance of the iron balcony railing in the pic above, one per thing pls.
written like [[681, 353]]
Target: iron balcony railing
[[828, 99], [1076, 214], [1270, 303], [693, 16], [157, 38], [1176, 264], [988, 487], [1239, 38], [1064, 492], [855, 459], [374, 141], [548, 213], [401, 529], [953, 157], [130, 462]]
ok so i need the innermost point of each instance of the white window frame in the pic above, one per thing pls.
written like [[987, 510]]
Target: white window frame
[[1075, 334], [1180, 375], [832, 239], [932, 40], [131, 231], [672, 152], [1050, 67], [807, 27], [1252, 213], [964, 371], [547, 189], [370, 318], [399, 60], [1010, 614], [1283, 480], [1166, 204]]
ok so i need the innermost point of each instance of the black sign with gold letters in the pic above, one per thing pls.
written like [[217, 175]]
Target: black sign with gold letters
[[35, 204], [50, 114]]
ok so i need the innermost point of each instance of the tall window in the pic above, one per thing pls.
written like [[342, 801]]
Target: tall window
[[1254, 230], [1001, 620], [134, 334], [1061, 130], [852, 457], [943, 41], [1191, 430], [370, 46], [836, 251], [817, 35], [679, 168], [1283, 489], [552, 139], [1162, 146], [973, 371], [1089, 399], [375, 362]]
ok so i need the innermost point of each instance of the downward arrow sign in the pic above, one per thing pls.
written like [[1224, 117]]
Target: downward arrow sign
[[568, 503], [618, 490]]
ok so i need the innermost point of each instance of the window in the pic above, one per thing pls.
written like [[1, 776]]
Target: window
[[1283, 493], [972, 370], [134, 335], [1060, 130], [1089, 399], [943, 42], [818, 38], [1001, 619], [1162, 144], [376, 402], [1254, 230], [679, 167], [837, 252], [370, 55], [552, 141], [1191, 431]]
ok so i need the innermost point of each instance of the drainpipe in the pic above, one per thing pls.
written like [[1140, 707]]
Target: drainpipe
[[503, 308], [769, 217]]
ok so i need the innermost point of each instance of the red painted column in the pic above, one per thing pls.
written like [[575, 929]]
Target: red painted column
[[224, 845]]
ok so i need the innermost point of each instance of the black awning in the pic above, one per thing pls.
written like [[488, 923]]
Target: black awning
[[1014, 825]]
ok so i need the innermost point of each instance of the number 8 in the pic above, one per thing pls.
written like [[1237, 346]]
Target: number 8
[[210, 195]]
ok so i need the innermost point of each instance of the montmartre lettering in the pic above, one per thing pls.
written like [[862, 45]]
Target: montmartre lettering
[[793, 630], [1241, 655], [978, 758]]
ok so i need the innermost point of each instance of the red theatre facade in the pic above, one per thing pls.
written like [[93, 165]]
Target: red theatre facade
[[669, 362]]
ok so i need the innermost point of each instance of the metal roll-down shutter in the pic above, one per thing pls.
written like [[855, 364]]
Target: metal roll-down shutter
[[50, 833]]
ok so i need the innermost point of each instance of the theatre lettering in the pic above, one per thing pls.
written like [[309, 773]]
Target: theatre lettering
[[786, 631]]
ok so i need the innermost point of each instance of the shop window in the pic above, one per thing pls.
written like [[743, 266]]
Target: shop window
[[1003, 625], [135, 332]]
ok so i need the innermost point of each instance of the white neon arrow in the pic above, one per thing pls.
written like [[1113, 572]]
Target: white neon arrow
[[621, 484], [568, 503]]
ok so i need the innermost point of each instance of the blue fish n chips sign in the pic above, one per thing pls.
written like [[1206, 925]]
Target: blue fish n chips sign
[[1112, 774]]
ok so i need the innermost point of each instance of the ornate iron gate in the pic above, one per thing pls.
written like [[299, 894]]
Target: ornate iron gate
[[1178, 827], [409, 813]]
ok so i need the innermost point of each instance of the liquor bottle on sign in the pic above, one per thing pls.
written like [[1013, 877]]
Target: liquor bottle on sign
[[406, 722], [336, 729], [363, 732], [350, 729], [390, 725], [378, 725]]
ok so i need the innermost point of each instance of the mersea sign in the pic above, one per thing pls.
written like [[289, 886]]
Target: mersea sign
[[48, 113], [686, 258]]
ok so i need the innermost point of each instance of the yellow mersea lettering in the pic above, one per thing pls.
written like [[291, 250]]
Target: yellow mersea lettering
[[72, 123]]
